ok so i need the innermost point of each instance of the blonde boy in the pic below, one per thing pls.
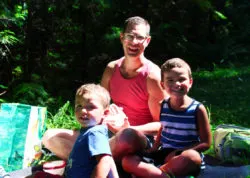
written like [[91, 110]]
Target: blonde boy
[[91, 155]]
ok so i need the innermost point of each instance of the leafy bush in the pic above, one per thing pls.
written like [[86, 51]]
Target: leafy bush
[[64, 118], [31, 93]]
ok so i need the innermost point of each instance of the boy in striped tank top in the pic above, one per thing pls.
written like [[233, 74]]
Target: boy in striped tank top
[[185, 129]]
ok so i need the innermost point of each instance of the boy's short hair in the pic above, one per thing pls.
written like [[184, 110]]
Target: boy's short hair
[[95, 89], [136, 20], [172, 63]]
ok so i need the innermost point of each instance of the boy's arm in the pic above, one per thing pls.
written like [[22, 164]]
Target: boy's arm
[[113, 173], [157, 141], [203, 130], [105, 167]]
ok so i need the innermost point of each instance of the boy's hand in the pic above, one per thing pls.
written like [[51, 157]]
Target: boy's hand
[[173, 154], [153, 149]]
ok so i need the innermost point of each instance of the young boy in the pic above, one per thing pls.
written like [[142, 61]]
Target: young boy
[[185, 131], [91, 155]]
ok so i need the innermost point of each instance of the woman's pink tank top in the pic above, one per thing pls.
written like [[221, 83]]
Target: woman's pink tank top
[[131, 94]]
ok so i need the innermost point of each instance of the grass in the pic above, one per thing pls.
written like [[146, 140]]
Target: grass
[[225, 93]]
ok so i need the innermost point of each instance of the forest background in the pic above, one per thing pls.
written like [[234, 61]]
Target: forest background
[[48, 48]]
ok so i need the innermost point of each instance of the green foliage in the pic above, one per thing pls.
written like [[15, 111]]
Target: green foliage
[[2, 100], [17, 15], [219, 73], [219, 15], [30, 93], [2, 91], [68, 32], [64, 118], [114, 35], [17, 71], [8, 37], [20, 13], [51, 8], [12, 20], [56, 61], [205, 5], [53, 55], [3, 87]]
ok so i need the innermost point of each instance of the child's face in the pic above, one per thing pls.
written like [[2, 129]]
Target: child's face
[[89, 110], [177, 81]]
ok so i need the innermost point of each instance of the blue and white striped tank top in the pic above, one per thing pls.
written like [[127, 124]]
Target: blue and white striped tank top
[[179, 127]]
